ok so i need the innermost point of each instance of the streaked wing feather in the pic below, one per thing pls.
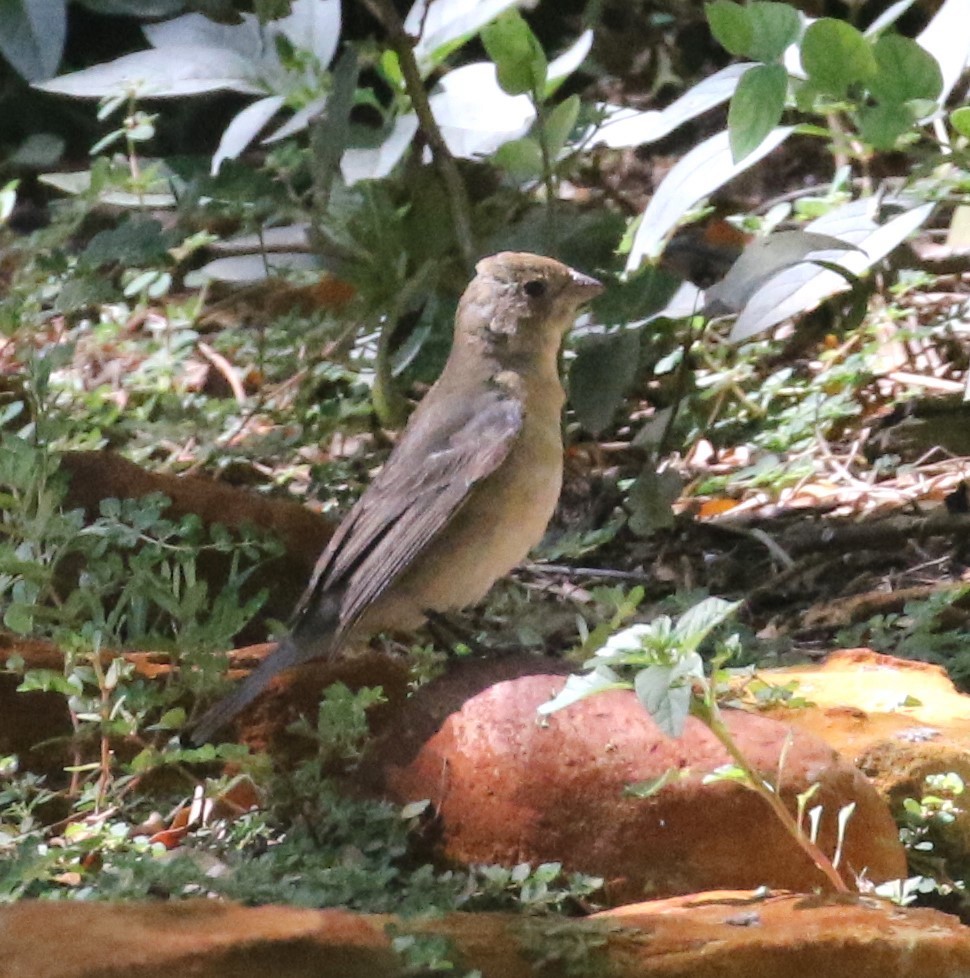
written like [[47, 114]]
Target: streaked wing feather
[[412, 499]]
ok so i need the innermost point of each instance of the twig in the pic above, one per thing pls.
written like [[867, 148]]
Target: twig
[[226, 369], [604, 573], [401, 42]]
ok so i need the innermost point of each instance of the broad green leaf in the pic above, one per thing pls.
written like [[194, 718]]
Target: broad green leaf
[[519, 59], [905, 71], [695, 624], [520, 158], [756, 108], [664, 692], [836, 55], [601, 375], [559, 124], [882, 125], [731, 25], [960, 120], [774, 26], [651, 498]]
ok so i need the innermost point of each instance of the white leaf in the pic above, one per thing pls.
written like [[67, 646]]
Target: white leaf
[[243, 269], [698, 174], [314, 25], [32, 34], [628, 127], [245, 39], [79, 182], [579, 687], [688, 300], [298, 121], [375, 163], [571, 58], [763, 259], [172, 71], [474, 114], [803, 287], [446, 21], [947, 38], [285, 237], [244, 128], [889, 16]]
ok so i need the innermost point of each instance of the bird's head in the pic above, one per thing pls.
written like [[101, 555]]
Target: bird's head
[[520, 303]]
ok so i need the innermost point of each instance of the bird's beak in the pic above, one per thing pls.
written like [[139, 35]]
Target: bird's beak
[[584, 287]]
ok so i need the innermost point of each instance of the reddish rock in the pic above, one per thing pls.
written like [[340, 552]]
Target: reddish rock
[[95, 476], [898, 720], [510, 788], [708, 935]]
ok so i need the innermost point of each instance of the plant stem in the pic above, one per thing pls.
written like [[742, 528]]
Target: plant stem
[[711, 716], [401, 42]]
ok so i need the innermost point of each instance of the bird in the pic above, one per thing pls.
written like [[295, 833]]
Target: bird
[[469, 487]]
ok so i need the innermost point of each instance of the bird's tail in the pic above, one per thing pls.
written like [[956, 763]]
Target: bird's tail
[[287, 654]]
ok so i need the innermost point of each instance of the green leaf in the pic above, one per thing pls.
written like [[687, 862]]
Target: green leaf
[[756, 108], [836, 55], [960, 120], [520, 158], [578, 688], [905, 71], [519, 59], [664, 692], [559, 124], [601, 375], [19, 618], [695, 624], [650, 500], [731, 25], [774, 26], [882, 125]]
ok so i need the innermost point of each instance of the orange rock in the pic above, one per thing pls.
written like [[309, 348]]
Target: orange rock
[[509, 788], [897, 720], [708, 935]]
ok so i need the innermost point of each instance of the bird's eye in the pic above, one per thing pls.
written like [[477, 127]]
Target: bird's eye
[[535, 288]]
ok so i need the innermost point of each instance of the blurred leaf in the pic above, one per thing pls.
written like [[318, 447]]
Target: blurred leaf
[[882, 125], [559, 124], [520, 158], [774, 26], [731, 26], [836, 55], [32, 34], [135, 241], [650, 499], [802, 287], [703, 170], [519, 59], [763, 259], [756, 108], [905, 72], [601, 375]]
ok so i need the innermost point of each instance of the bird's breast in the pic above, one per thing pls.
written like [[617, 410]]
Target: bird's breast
[[505, 516]]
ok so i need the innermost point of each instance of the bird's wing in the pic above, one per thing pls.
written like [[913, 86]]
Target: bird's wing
[[427, 478]]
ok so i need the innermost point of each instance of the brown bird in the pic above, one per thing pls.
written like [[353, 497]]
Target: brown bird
[[467, 491]]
